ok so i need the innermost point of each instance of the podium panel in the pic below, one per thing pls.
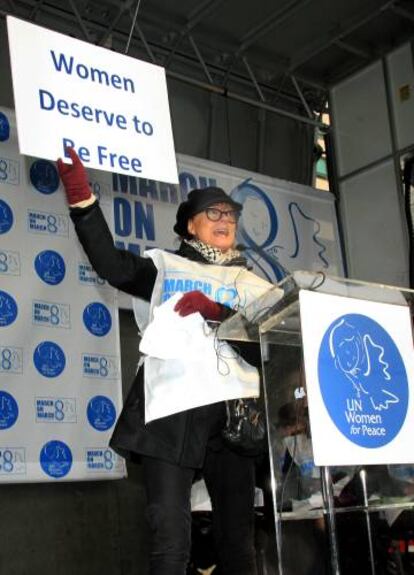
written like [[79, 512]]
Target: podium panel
[[356, 508]]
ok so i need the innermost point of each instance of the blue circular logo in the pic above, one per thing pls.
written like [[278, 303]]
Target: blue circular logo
[[49, 359], [97, 319], [44, 176], [56, 458], [9, 410], [6, 217], [50, 267], [4, 127], [363, 380], [101, 413], [8, 309]]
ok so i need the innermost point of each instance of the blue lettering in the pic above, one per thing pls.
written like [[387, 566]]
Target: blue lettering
[[67, 144], [124, 184], [187, 183], [161, 191], [207, 182], [169, 285], [46, 105], [144, 221], [62, 63], [168, 193], [95, 75], [82, 71], [148, 188], [122, 217]]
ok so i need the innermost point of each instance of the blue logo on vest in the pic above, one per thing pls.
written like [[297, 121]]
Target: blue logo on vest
[[9, 410], [49, 359], [227, 296], [56, 458], [8, 309], [50, 267], [101, 413], [363, 380], [6, 217], [97, 319], [44, 176], [4, 128]]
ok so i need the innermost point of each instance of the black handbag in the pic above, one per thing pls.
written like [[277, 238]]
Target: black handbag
[[245, 429]]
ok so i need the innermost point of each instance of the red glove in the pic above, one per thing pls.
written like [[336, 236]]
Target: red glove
[[194, 301], [74, 178]]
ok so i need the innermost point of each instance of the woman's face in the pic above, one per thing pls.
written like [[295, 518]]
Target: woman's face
[[348, 354], [220, 234]]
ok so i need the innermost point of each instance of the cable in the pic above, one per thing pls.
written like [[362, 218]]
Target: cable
[[134, 21], [228, 129]]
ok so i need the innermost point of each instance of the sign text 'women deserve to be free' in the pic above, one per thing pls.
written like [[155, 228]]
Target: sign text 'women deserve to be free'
[[113, 109]]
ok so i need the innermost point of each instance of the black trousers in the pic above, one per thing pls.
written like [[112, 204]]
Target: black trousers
[[230, 482]]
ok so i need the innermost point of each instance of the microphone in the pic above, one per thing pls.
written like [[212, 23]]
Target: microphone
[[242, 248]]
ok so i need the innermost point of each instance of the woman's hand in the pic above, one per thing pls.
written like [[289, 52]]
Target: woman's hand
[[74, 179], [194, 301]]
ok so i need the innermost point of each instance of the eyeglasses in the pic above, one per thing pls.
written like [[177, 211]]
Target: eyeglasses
[[214, 215]]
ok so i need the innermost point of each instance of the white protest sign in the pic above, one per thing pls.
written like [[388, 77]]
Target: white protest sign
[[112, 108], [359, 366]]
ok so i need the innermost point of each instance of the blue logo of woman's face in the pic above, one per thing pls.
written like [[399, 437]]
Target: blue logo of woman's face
[[363, 380], [49, 359], [6, 217], [50, 267], [8, 309], [56, 459], [9, 410], [97, 319], [44, 176], [101, 413]]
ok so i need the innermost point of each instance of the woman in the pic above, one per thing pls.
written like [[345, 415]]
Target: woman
[[174, 447]]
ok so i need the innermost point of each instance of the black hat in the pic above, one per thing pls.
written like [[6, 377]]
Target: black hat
[[197, 201]]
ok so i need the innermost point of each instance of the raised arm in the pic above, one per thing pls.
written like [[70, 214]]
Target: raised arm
[[122, 269]]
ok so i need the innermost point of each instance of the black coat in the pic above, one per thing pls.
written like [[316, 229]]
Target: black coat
[[179, 438]]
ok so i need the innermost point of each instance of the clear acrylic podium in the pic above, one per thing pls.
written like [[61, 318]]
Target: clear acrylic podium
[[329, 497]]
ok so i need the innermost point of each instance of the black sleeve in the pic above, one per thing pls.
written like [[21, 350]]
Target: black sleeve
[[122, 269]]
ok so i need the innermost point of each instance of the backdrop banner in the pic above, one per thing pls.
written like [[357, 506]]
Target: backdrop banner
[[60, 377]]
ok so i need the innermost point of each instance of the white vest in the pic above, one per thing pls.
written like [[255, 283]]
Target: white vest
[[204, 370]]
